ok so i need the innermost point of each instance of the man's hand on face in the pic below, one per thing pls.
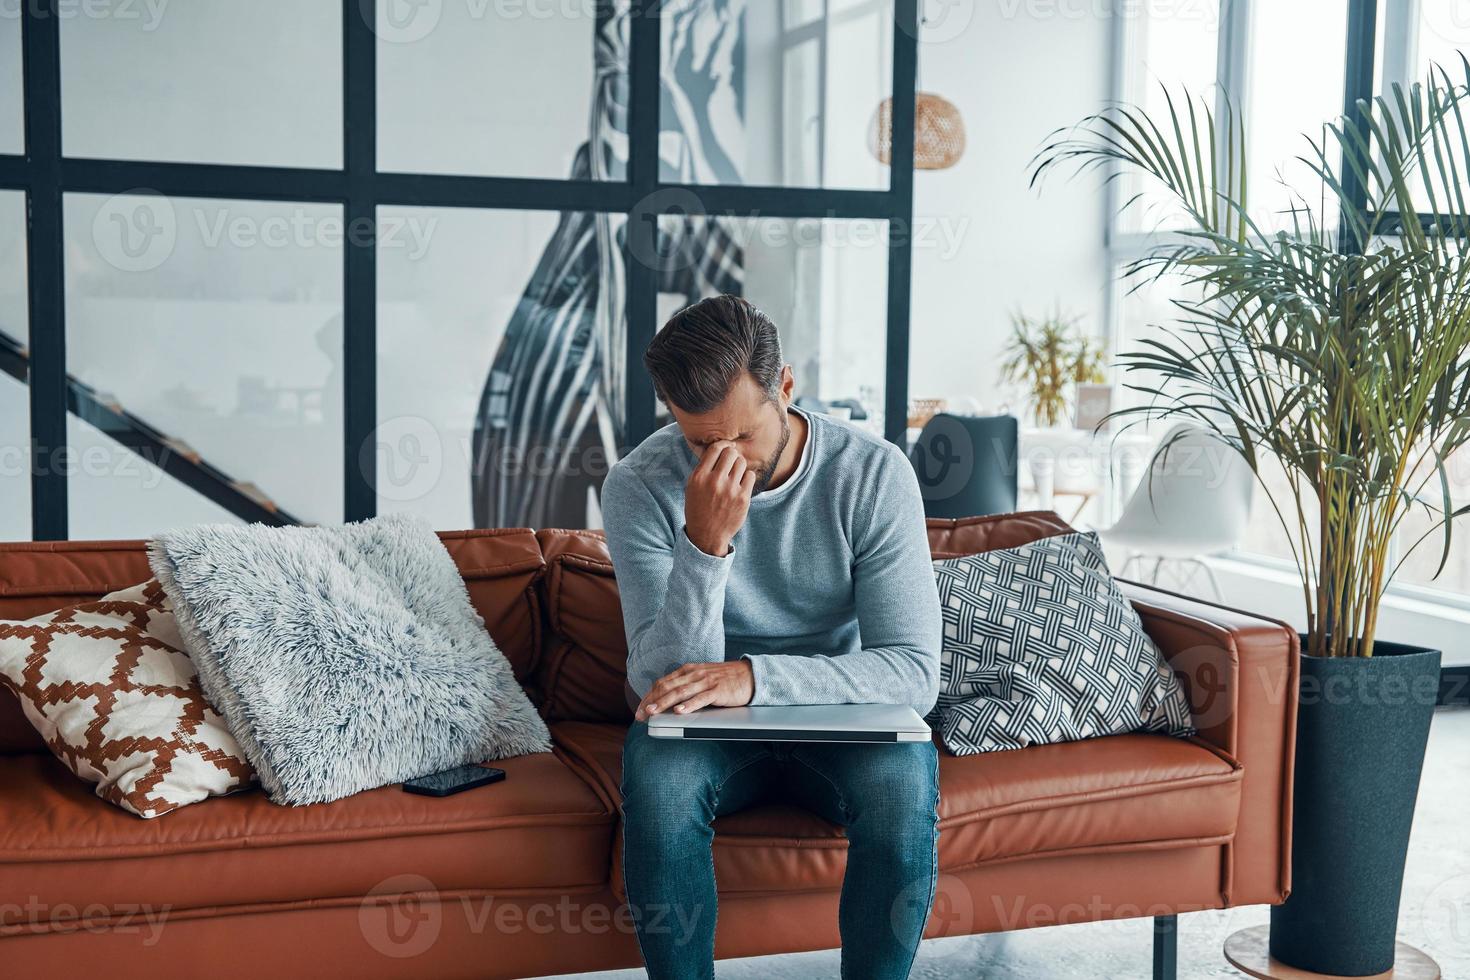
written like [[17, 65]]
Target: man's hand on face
[[717, 498], [693, 686]]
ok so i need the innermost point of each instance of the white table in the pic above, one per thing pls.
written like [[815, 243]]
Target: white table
[[1071, 460]]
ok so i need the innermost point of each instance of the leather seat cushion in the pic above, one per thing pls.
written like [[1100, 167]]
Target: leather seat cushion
[[542, 827], [1118, 793]]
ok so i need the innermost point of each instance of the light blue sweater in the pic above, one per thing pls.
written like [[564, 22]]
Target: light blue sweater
[[828, 591]]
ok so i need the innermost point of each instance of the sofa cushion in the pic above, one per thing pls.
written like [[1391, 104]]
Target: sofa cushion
[[583, 673], [542, 827], [1041, 646], [1118, 793], [107, 685], [500, 568]]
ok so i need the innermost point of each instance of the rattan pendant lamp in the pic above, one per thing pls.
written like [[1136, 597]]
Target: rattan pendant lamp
[[939, 132]]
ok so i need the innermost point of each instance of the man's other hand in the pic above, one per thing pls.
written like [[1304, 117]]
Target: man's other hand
[[717, 498], [694, 686]]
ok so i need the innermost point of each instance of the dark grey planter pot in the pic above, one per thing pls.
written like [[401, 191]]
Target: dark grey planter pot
[[1361, 731]]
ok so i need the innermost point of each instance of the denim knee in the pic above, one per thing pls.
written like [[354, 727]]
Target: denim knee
[[666, 783], [898, 792]]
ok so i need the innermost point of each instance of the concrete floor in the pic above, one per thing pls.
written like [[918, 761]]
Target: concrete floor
[[1435, 915]]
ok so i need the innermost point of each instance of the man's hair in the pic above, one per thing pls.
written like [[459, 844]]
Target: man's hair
[[703, 349]]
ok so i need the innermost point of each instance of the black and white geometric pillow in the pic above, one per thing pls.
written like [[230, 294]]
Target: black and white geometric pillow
[[1041, 646]]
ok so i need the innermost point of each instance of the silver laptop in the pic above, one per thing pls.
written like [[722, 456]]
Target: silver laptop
[[797, 723]]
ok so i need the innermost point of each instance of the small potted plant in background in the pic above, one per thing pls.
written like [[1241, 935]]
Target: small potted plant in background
[[1341, 353], [1049, 357]]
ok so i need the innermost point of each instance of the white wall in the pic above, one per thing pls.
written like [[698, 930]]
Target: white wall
[[995, 245]]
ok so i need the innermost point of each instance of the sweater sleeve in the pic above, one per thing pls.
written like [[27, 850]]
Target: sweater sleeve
[[898, 612], [673, 594]]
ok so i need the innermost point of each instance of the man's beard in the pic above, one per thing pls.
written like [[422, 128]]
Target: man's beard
[[769, 468]]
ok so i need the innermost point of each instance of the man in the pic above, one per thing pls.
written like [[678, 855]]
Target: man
[[768, 556]]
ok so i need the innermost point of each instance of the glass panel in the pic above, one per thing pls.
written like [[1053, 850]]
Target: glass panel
[[218, 325], [1177, 47], [15, 413], [12, 112], [798, 12], [210, 81], [500, 362], [823, 281], [750, 98], [1444, 33], [502, 89], [115, 493], [1296, 89], [15, 460], [14, 322]]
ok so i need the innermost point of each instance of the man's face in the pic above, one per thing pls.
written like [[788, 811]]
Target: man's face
[[749, 419]]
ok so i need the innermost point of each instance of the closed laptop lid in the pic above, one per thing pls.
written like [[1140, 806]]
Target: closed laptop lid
[[835, 718]]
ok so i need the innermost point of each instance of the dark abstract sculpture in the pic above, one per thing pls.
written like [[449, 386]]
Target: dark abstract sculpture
[[550, 418]]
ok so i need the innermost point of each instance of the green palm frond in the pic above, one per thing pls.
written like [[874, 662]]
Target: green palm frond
[[1337, 346]]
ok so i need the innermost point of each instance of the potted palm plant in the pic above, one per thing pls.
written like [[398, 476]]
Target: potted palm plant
[[1335, 347], [1049, 357]]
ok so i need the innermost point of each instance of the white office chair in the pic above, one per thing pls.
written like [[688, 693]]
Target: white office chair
[[1193, 501]]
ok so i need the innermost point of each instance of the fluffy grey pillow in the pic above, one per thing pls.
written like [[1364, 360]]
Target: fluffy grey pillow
[[342, 658], [1041, 646]]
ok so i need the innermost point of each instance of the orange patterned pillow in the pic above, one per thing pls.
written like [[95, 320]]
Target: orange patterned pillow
[[108, 687]]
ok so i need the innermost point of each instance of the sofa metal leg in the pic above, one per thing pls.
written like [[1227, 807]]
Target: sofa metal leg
[[1166, 947]]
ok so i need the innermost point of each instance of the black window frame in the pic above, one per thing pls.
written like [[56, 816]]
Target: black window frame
[[45, 175]]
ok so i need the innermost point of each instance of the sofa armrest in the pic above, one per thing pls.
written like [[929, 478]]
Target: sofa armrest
[[1240, 672]]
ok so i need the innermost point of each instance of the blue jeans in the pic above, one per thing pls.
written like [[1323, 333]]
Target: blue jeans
[[886, 796]]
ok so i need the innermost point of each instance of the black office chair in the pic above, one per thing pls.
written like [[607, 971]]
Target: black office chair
[[967, 465]]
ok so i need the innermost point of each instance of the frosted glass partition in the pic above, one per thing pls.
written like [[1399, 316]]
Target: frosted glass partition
[[774, 94], [15, 413], [219, 324], [12, 110], [207, 81], [499, 349], [492, 89]]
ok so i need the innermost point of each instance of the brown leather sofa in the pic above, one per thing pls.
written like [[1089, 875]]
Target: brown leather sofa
[[522, 879]]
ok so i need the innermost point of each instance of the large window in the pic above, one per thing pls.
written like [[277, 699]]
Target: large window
[[1252, 58], [312, 262]]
